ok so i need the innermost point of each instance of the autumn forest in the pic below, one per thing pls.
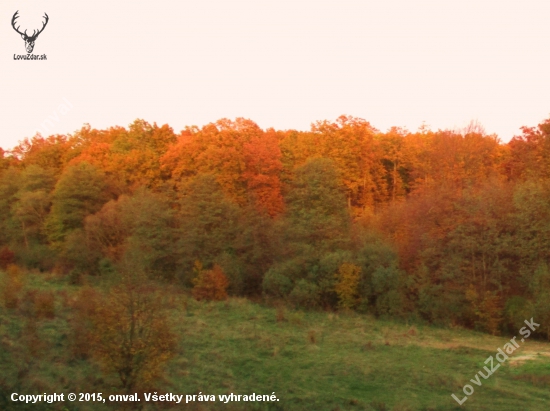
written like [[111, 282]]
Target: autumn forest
[[113, 243], [452, 227]]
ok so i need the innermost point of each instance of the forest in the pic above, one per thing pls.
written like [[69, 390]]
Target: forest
[[447, 227]]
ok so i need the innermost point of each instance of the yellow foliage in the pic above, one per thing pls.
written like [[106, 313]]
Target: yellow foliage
[[347, 285], [132, 334], [11, 287], [487, 308]]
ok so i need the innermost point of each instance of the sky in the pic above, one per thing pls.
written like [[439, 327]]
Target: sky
[[281, 63]]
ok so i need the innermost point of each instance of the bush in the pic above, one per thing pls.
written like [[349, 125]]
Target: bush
[[234, 271], [347, 285], [37, 256], [44, 304], [210, 285], [84, 308], [487, 310], [11, 287], [516, 310], [276, 284], [26, 305], [7, 257], [38, 304], [305, 294], [386, 284], [75, 277], [133, 335]]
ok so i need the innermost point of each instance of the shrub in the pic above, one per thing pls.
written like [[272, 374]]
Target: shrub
[[84, 306], [347, 285], [44, 304], [7, 257], [133, 334], [386, 284], [210, 285], [75, 277], [276, 284], [31, 343], [487, 309], [38, 304], [280, 313], [26, 305], [305, 294], [11, 287], [37, 256]]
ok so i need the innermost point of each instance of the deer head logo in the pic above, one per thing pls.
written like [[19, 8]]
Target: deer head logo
[[29, 40]]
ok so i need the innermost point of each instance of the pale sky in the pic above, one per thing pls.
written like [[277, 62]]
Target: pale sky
[[280, 63]]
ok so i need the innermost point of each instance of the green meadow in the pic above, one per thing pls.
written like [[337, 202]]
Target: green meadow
[[310, 360]]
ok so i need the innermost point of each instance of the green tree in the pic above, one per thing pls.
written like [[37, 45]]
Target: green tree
[[33, 201], [142, 223], [209, 224], [9, 185], [79, 192], [315, 233]]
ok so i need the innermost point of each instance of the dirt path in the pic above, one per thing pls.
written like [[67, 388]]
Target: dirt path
[[528, 350]]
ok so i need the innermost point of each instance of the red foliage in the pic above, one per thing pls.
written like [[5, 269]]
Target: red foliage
[[263, 167], [7, 257], [211, 285]]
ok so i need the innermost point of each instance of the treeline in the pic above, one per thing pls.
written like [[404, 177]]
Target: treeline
[[449, 226]]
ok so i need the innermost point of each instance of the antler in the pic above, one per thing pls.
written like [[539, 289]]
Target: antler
[[15, 16], [34, 33], [43, 26]]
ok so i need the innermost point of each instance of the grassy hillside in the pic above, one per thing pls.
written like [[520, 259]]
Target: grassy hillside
[[311, 360]]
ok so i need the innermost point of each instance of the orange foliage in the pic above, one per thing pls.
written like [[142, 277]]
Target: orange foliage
[[132, 156], [263, 168], [11, 287], [244, 158], [50, 153], [210, 285]]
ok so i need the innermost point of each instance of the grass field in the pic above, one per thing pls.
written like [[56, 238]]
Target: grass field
[[311, 360]]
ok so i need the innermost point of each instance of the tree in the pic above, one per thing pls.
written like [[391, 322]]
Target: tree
[[133, 336], [256, 245], [51, 153], [210, 285], [394, 159], [144, 223], [208, 224], [33, 201], [350, 143], [135, 154], [530, 153], [78, 193], [263, 167], [219, 149], [9, 185], [347, 285], [317, 215], [315, 234]]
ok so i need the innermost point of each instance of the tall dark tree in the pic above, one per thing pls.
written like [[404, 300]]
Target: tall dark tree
[[79, 192], [208, 224], [316, 235]]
